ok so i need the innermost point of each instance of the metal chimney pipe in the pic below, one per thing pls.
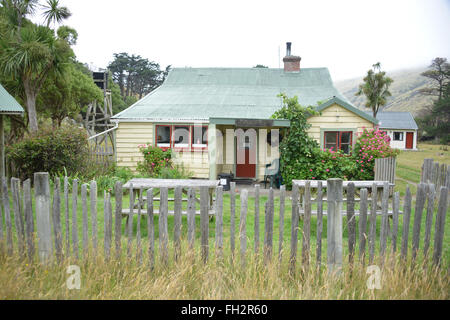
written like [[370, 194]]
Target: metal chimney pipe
[[288, 49]]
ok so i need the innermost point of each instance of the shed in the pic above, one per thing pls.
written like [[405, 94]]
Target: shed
[[401, 128]]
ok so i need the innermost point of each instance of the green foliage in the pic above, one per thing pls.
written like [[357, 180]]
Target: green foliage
[[297, 148], [176, 171], [375, 88], [370, 145], [50, 151], [155, 159]]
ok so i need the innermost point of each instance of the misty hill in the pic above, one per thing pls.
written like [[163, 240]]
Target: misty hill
[[405, 91]]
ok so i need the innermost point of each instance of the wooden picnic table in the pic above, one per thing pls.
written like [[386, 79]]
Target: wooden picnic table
[[141, 184]]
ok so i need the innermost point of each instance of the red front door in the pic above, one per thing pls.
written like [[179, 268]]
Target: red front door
[[409, 140], [246, 157]]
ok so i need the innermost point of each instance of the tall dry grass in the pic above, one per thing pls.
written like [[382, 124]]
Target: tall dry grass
[[190, 278]]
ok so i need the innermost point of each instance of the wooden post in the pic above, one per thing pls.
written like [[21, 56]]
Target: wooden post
[[108, 226], [294, 229], [204, 222], [440, 226], [8, 222], [177, 222], [334, 225], [74, 218], [42, 194], [420, 203], [406, 221], [57, 220], [363, 224], [268, 234], [219, 222], [129, 223], [243, 227], [281, 225], [256, 244], [150, 228], [395, 215], [67, 216], [191, 217], [138, 229], [306, 225], [85, 219], [118, 218], [429, 218], [384, 218], [29, 219], [18, 217], [232, 216], [351, 221], [319, 223], [93, 198], [163, 231], [373, 223]]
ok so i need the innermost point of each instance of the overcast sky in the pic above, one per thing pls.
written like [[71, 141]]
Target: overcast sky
[[347, 37]]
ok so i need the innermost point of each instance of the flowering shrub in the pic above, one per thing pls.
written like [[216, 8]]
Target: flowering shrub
[[370, 145], [155, 160]]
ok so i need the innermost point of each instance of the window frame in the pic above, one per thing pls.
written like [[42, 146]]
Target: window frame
[[170, 135], [175, 148], [339, 140], [402, 136], [203, 146]]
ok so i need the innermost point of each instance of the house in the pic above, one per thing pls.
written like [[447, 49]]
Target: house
[[8, 106], [401, 128], [219, 119]]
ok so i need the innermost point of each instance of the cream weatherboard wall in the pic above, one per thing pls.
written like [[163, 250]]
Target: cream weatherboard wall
[[336, 118], [129, 135]]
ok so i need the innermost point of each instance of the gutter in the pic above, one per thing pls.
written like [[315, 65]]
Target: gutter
[[102, 133]]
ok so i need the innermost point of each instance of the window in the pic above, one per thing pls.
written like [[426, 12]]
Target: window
[[181, 137], [199, 137], [339, 140], [163, 136], [398, 136]]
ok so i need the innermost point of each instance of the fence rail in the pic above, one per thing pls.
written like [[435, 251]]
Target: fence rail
[[54, 241]]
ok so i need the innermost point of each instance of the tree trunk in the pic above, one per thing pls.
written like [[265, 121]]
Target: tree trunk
[[31, 94]]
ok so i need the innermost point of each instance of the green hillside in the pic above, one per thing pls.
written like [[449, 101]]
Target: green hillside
[[405, 91]]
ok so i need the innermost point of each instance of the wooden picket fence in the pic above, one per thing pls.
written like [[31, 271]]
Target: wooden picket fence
[[51, 242], [103, 155], [435, 173]]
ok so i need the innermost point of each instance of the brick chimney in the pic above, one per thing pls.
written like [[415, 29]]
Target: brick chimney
[[291, 63]]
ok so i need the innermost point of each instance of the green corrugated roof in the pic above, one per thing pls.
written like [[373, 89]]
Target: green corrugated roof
[[8, 104], [239, 93]]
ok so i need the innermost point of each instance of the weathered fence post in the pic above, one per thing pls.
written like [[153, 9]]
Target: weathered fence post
[[138, 228], [118, 218], [440, 226], [384, 219], [232, 217], [334, 225], [406, 222], [129, 223], [429, 218], [93, 198], [177, 222], [243, 227], [191, 218], [306, 225], [84, 211], [373, 223], [29, 219], [319, 229], [8, 222], [351, 220], [420, 203], [150, 228], [42, 194], [18, 217], [268, 234], [163, 231], [281, 224], [395, 215], [294, 229], [219, 222], [108, 226], [74, 218], [204, 222], [67, 215], [257, 188], [363, 224], [57, 220]]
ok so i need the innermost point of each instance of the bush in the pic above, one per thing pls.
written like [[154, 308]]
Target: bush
[[155, 159], [177, 171], [50, 150], [370, 145]]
